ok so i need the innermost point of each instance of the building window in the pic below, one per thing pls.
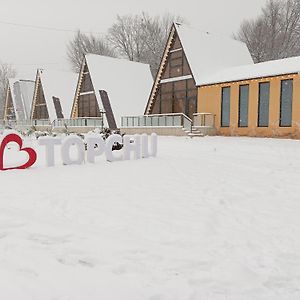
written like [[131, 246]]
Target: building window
[[166, 97], [225, 107], [243, 105], [286, 100], [88, 106], [263, 104], [176, 97]]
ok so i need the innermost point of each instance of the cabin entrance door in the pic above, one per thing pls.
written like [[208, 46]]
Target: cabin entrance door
[[191, 107]]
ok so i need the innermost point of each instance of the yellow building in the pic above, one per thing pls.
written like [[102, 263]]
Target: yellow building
[[255, 100], [203, 75]]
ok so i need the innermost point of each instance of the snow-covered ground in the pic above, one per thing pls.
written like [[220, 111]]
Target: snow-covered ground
[[209, 218]]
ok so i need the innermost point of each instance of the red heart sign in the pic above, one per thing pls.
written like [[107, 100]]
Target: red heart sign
[[17, 139]]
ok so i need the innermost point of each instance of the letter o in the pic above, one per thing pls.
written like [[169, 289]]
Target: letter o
[[65, 150]]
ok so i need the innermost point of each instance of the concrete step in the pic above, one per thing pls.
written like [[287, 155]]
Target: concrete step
[[199, 132], [196, 130], [204, 130], [196, 134]]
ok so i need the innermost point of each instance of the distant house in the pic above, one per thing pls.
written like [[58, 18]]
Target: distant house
[[204, 74], [18, 99], [53, 95], [127, 84]]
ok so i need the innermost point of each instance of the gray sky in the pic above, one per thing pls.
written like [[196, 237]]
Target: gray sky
[[29, 48]]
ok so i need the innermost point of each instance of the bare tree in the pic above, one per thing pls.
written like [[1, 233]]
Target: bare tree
[[127, 37], [6, 72], [141, 37], [157, 30], [275, 33], [83, 44]]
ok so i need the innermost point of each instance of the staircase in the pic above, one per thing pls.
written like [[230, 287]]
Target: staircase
[[201, 131], [196, 132], [203, 125]]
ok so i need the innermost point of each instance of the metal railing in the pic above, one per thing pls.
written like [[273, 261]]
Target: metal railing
[[204, 120], [158, 120], [24, 123], [79, 122], [41, 122]]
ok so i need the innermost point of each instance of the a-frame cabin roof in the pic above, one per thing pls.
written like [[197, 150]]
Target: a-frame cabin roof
[[206, 54], [127, 84], [21, 93], [56, 84]]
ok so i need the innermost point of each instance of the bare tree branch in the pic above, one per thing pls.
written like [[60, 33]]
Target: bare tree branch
[[83, 44], [275, 34], [142, 37]]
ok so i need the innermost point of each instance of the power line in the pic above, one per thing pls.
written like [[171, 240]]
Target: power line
[[48, 28], [33, 64]]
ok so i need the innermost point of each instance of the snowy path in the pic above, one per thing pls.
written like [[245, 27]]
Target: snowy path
[[211, 218]]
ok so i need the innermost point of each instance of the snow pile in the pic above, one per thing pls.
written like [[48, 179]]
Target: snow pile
[[211, 218]]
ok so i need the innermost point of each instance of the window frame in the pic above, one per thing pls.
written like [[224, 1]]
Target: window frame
[[259, 101], [223, 88], [281, 102], [239, 121]]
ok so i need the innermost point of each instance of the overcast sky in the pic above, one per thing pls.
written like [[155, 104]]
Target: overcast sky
[[29, 48]]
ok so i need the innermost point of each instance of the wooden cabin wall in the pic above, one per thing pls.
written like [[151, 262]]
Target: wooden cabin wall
[[9, 108], [40, 109], [87, 102]]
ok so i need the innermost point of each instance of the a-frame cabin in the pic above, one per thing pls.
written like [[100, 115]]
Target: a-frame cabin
[[53, 95], [18, 99], [189, 57], [176, 91], [85, 103], [127, 85]]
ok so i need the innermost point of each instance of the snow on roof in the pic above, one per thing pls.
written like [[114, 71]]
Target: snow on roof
[[61, 85], [208, 53], [22, 94], [127, 83], [264, 69]]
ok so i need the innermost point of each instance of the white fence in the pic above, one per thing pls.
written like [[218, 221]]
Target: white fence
[[77, 122]]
